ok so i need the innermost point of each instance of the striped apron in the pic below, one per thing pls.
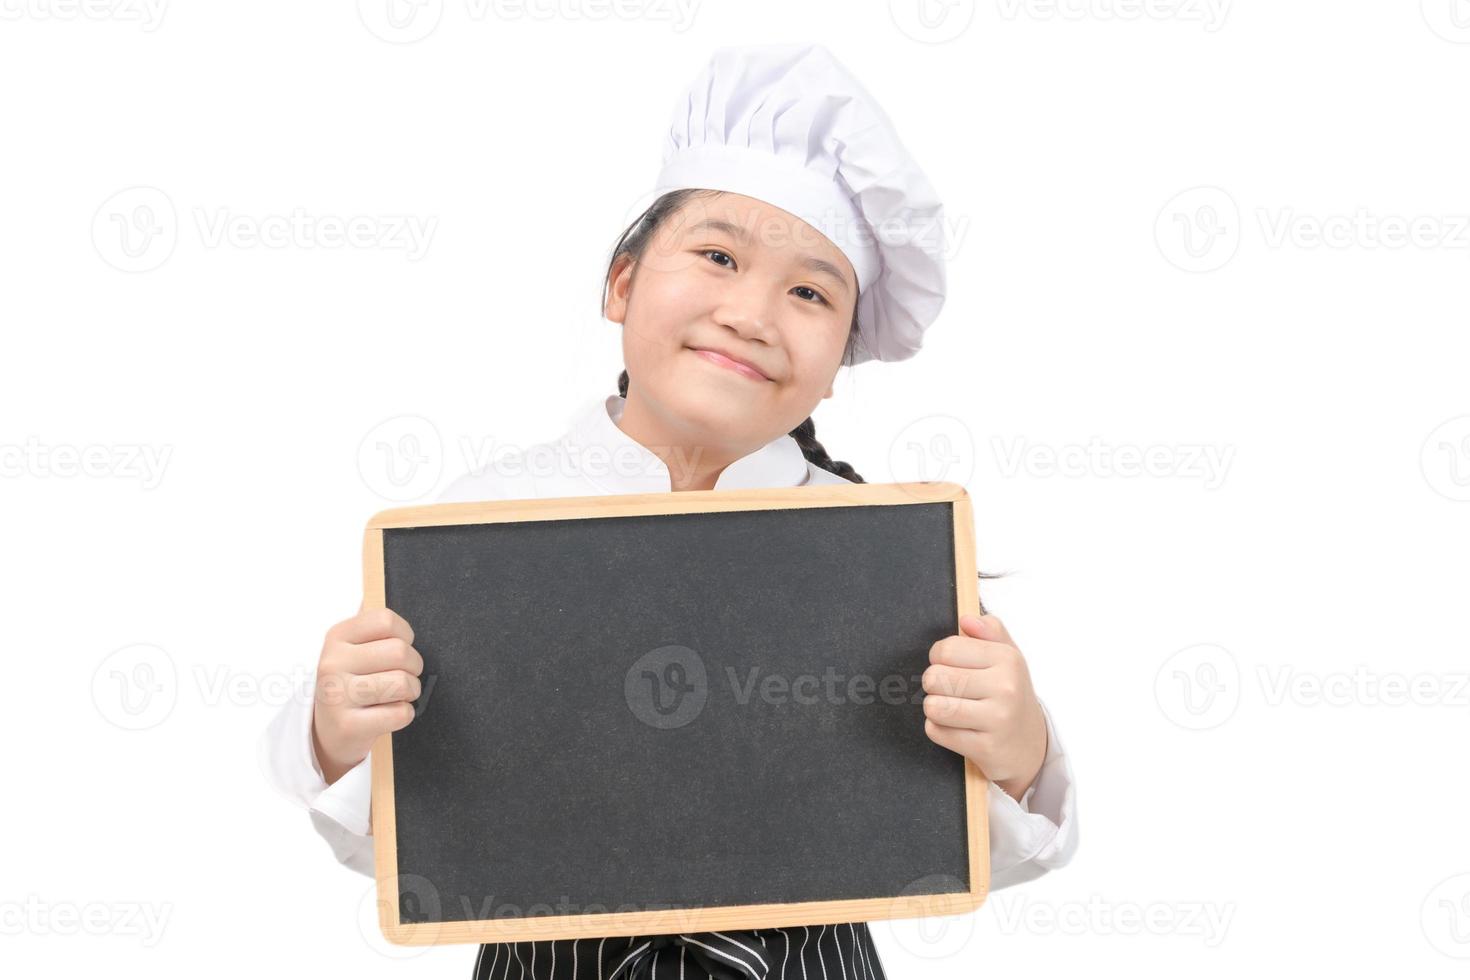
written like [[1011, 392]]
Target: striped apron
[[793, 953]]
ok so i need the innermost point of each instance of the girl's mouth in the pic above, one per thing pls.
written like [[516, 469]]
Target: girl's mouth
[[727, 363]]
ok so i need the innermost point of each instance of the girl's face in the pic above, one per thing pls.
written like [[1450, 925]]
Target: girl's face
[[731, 274]]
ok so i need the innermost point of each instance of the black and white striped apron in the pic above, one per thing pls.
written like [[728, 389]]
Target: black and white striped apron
[[793, 953]]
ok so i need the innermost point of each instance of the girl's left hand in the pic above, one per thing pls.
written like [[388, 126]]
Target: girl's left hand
[[979, 702]]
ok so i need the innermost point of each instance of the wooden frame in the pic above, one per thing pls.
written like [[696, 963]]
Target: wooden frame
[[652, 921]]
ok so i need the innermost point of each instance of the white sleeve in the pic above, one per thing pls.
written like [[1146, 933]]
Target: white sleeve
[[339, 812], [1031, 836]]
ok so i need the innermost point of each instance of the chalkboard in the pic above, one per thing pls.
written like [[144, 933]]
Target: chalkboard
[[656, 713]]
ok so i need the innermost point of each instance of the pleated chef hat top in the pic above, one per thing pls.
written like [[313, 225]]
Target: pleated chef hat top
[[789, 125]]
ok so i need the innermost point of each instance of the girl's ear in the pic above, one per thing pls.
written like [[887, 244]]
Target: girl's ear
[[621, 281]]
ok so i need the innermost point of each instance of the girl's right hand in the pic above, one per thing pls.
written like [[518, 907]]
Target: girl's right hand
[[367, 676]]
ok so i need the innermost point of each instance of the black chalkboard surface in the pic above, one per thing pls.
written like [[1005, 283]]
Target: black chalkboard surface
[[650, 713]]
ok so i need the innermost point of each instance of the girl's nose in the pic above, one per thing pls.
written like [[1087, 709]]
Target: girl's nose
[[750, 313]]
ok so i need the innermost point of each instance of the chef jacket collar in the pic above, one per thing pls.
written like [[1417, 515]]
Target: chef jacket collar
[[624, 465]]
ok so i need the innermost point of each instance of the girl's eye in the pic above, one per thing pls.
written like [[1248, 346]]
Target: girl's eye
[[815, 295]]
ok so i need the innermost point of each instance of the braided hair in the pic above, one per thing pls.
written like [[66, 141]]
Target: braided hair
[[636, 238]]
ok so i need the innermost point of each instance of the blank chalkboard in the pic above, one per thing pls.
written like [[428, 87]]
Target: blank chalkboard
[[650, 713]]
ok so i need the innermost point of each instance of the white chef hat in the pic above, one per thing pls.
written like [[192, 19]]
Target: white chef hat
[[788, 125]]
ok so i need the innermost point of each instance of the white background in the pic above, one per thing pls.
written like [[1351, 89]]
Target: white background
[[1182, 233]]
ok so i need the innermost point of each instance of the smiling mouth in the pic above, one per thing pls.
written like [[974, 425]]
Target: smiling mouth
[[744, 370]]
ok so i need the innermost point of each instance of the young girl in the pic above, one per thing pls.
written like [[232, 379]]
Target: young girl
[[793, 235]]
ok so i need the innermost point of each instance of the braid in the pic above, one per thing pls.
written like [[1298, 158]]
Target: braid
[[805, 435]]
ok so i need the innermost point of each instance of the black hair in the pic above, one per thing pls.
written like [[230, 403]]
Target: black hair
[[635, 240]]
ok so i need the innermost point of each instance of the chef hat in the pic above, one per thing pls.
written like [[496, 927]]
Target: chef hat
[[788, 125]]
